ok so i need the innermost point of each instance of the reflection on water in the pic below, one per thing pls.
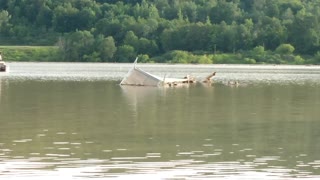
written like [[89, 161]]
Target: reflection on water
[[78, 128]]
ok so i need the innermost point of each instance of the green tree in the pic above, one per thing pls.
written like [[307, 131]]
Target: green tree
[[304, 32], [44, 17], [288, 17], [245, 35], [4, 20], [78, 45], [107, 48], [225, 11], [225, 37], [131, 39], [125, 53], [65, 18], [189, 10], [146, 46], [145, 10], [86, 18], [271, 33], [4, 4], [109, 28], [191, 37]]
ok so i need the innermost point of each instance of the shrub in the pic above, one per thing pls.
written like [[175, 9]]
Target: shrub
[[178, 56], [317, 58], [285, 49], [259, 50], [249, 61], [144, 58], [298, 60], [204, 60]]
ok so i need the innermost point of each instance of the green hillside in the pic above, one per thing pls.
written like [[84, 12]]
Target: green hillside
[[177, 31]]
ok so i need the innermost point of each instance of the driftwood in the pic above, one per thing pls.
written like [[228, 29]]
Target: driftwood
[[189, 79], [208, 78]]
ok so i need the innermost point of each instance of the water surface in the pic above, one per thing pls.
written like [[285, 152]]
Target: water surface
[[73, 120]]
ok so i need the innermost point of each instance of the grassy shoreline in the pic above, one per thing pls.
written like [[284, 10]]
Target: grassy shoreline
[[30, 53], [53, 54]]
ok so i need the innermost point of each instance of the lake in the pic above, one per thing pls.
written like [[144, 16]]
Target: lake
[[74, 121]]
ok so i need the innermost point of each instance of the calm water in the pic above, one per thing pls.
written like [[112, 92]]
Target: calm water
[[73, 120]]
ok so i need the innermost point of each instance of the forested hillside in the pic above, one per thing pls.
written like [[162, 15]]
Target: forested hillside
[[178, 31]]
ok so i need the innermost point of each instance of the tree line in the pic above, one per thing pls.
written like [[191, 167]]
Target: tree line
[[187, 31]]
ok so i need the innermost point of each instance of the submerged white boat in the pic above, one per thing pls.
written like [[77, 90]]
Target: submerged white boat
[[138, 77]]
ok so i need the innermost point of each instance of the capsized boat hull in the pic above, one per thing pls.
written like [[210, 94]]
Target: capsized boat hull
[[138, 77]]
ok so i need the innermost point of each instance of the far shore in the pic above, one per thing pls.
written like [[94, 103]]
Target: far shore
[[23, 53]]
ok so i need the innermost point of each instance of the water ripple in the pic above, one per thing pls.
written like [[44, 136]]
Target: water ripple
[[123, 169]]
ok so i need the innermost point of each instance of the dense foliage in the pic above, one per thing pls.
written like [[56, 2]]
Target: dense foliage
[[179, 31]]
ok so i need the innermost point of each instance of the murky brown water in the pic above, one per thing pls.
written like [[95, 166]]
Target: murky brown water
[[73, 120]]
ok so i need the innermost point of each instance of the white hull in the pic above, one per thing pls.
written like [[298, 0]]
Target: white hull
[[138, 77]]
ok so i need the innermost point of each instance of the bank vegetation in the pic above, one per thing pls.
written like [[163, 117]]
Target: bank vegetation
[[165, 31]]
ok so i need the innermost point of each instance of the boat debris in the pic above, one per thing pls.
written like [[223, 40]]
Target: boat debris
[[3, 66], [139, 77], [208, 78]]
